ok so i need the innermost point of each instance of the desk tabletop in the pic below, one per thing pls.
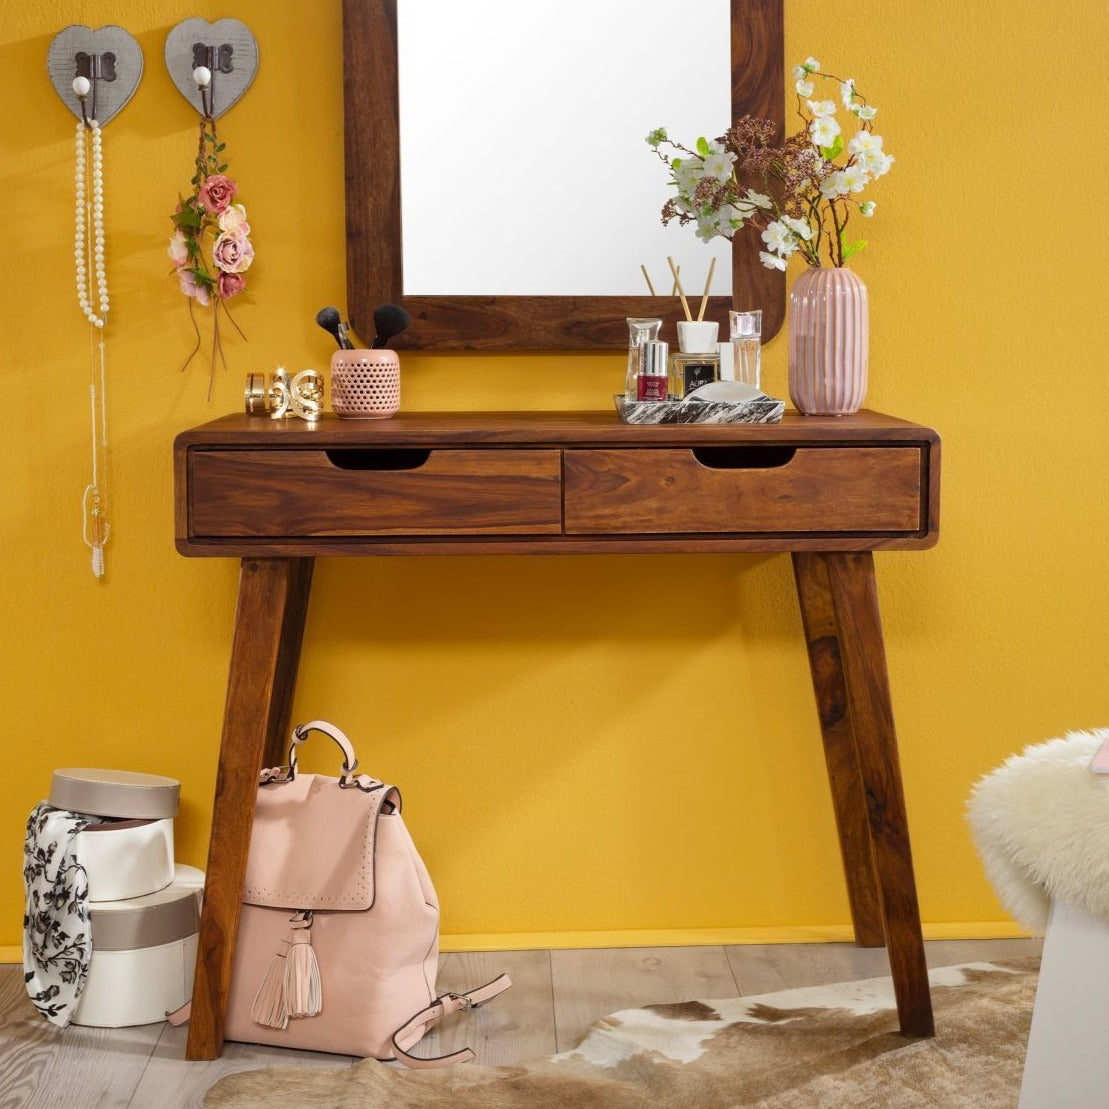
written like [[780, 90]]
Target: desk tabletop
[[548, 428]]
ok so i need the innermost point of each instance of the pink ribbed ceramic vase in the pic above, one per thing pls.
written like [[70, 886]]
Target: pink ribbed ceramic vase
[[829, 336]]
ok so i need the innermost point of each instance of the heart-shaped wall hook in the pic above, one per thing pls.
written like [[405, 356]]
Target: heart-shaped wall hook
[[70, 55], [226, 48]]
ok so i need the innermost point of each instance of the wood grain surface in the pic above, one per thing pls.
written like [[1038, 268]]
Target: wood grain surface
[[822, 489], [375, 270], [453, 492], [276, 493], [517, 1025], [818, 617], [265, 653], [546, 428], [862, 650], [92, 1068]]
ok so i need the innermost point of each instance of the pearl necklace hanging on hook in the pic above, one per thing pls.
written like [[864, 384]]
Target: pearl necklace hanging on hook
[[88, 257], [88, 243]]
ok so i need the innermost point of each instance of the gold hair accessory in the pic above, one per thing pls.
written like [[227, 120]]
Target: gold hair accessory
[[283, 396]]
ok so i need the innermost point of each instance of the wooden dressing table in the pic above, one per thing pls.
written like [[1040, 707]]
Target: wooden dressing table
[[830, 491]]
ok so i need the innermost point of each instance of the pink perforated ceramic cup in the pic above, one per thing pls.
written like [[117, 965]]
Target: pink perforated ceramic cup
[[365, 384]]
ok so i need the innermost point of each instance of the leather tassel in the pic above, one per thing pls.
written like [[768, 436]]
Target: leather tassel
[[303, 989], [269, 1002]]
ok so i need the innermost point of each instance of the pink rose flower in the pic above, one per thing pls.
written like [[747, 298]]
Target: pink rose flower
[[191, 287], [233, 218], [233, 252], [230, 284], [217, 192]]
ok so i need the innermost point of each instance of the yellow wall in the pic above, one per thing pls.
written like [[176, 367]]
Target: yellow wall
[[559, 769]]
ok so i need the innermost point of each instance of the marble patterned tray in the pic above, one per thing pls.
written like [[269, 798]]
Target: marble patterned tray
[[760, 410]]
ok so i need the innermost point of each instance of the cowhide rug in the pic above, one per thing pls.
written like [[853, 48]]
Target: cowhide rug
[[830, 1046]]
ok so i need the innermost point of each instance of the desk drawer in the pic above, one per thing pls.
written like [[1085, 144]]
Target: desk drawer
[[374, 491], [766, 489]]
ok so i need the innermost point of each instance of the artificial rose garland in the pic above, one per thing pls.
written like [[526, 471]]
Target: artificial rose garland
[[210, 247]]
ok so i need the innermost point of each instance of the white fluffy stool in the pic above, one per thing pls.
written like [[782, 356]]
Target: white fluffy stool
[[1041, 824]]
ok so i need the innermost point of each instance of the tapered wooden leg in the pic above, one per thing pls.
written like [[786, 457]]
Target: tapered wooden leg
[[265, 652], [862, 651], [818, 615]]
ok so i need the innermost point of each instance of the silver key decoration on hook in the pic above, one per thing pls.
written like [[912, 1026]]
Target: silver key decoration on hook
[[282, 395]]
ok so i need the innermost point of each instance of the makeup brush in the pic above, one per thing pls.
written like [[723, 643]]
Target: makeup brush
[[389, 320], [330, 321]]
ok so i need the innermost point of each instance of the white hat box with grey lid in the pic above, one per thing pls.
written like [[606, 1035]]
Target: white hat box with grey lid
[[143, 955], [130, 854]]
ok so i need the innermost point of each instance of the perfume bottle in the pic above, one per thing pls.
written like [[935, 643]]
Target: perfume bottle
[[640, 331], [745, 329], [651, 384]]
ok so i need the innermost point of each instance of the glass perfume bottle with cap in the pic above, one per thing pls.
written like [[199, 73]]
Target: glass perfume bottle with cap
[[745, 331], [640, 331]]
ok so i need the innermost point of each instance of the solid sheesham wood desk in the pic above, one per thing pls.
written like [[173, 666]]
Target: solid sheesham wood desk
[[829, 490]]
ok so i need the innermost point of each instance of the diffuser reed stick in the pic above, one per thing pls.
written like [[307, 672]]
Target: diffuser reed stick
[[646, 277], [681, 294], [705, 295]]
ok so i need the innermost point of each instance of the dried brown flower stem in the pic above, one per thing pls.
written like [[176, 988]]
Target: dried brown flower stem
[[192, 353], [223, 304], [835, 245], [791, 171]]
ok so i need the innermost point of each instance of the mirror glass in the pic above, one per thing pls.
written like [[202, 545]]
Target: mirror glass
[[523, 165]]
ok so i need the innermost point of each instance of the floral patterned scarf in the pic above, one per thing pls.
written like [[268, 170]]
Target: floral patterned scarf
[[57, 937]]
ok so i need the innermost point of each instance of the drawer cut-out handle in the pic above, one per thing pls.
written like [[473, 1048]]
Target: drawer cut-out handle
[[744, 458], [396, 458]]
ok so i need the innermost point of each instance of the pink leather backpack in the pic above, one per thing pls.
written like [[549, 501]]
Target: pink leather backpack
[[338, 942]]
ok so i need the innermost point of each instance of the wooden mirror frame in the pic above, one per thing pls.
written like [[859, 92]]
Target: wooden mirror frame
[[375, 272]]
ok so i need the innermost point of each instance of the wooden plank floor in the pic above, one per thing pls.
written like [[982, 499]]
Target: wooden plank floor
[[555, 996]]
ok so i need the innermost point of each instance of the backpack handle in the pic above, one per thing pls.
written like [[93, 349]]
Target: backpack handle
[[347, 777]]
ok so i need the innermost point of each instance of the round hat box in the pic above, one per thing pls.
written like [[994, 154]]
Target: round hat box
[[119, 793], [126, 858], [130, 854], [143, 955]]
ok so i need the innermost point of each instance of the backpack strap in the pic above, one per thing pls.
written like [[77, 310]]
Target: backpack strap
[[347, 778], [410, 1033]]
